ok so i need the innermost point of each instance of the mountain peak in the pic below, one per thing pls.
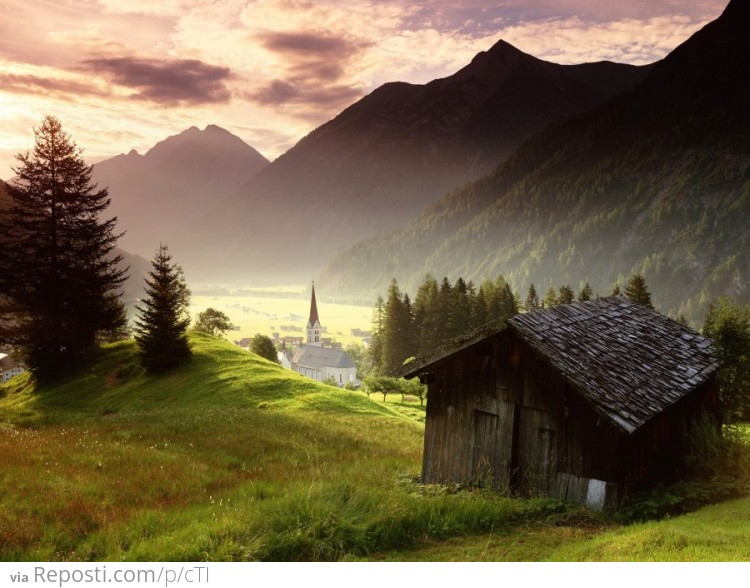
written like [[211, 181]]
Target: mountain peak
[[502, 46], [216, 129]]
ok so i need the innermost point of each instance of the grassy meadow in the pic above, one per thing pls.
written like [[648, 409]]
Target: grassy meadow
[[230, 457]]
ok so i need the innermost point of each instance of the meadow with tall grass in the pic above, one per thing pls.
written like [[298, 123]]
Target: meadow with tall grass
[[230, 457]]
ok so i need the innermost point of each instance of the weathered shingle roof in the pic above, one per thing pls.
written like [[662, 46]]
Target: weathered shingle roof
[[313, 357], [628, 361]]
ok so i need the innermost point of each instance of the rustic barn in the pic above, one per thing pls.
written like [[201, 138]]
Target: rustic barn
[[583, 402]]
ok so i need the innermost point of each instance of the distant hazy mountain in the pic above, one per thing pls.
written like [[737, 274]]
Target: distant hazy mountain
[[657, 180], [384, 158], [176, 183]]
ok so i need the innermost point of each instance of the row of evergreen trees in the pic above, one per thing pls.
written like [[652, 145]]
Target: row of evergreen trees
[[440, 312], [443, 311], [60, 274]]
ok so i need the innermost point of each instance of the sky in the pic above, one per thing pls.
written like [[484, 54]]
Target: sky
[[125, 74]]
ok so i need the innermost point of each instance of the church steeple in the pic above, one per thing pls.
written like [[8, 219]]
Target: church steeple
[[313, 323]]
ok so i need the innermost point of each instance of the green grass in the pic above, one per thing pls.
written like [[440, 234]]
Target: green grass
[[715, 533], [230, 457]]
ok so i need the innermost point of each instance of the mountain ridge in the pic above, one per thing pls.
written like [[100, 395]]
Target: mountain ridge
[[387, 155]]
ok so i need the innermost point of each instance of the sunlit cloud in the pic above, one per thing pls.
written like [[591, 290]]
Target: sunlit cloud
[[124, 75], [187, 81]]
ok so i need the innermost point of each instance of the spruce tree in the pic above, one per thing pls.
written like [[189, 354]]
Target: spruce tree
[[586, 293], [395, 335], [532, 300], [376, 346], [550, 299], [59, 271], [565, 295], [637, 292], [161, 327]]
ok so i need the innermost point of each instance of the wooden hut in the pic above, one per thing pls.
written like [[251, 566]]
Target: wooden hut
[[581, 402]]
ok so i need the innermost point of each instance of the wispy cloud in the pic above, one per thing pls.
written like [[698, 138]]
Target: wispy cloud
[[60, 88], [271, 70], [167, 82]]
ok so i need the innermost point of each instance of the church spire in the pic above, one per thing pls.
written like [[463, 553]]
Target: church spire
[[313, 308], [313, 324]]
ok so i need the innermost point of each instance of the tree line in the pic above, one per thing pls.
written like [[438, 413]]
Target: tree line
[[442, 311]]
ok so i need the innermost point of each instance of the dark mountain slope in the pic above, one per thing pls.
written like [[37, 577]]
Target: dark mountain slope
[[176, 183], [388, 155], [656, 180]]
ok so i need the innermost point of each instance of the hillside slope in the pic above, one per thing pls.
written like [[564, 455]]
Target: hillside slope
[[385, 157], [232, 458], [657, 180]]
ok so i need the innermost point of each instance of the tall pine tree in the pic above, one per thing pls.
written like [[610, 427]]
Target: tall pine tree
[[397, 327], [532, 300], [58, 270], [637, 292], [161, 327]]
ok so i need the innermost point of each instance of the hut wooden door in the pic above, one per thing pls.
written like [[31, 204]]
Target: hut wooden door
[[537, 451], [492, 445]]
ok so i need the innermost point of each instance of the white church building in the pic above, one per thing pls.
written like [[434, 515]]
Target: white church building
[[318, 362]]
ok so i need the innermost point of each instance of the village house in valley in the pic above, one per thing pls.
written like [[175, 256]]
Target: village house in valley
[[9, 367], [584, 402], [318, 362]]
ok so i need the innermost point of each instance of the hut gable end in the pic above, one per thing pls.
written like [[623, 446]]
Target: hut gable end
[[628, 361]]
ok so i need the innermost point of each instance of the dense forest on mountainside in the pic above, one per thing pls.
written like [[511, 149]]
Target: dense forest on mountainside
[[655, 181]]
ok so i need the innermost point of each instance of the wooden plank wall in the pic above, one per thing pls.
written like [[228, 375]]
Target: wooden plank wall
[[499, 415]]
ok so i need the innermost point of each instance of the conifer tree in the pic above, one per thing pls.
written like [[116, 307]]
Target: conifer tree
[[376, 347], [532, 300], [586, 293], [728, 324], [509, 305], [479, 315], [565, 295], [550, 299], [637, 292], [461, 314], [396, 327], [58, 270], [161, 327], [425, 317]]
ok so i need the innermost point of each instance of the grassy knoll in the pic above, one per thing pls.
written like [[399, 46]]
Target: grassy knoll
[[715, 533], [229, 457], [233, 458]]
